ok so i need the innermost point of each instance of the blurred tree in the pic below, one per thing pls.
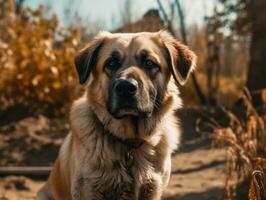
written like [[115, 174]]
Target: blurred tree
[[257, 68], [214, 38], [242, 18], [19, 4], [127, 12], [167, 22], [234, 15], [230, 22]]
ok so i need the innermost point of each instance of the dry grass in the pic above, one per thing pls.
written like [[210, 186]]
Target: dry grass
[[245, 140]]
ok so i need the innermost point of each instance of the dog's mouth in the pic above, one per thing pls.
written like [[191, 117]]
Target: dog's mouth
[[129, 111], [125, 112]]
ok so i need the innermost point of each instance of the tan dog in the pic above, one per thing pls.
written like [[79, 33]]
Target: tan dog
[[123, 129]]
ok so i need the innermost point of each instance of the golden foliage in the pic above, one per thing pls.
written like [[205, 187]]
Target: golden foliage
[[36, 60]]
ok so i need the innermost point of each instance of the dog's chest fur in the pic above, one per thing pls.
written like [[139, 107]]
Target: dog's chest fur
[[107, 169], [109, 173], [118, 179]]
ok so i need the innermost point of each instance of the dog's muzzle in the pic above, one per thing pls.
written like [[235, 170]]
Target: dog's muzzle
[[123, 97]]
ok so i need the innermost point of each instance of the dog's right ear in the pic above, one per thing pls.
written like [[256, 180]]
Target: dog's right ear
[[86, 58], [182, 60]]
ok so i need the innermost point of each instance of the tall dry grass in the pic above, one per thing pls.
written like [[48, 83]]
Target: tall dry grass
[[245, 139]]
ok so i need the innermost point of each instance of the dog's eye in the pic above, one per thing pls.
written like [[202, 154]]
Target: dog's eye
[[149, 63], [112, 65], [151, 66]]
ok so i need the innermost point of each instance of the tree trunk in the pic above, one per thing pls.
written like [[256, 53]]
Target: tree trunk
[[257, 66]]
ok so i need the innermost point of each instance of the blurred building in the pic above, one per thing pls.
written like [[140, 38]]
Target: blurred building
[[150, 22]]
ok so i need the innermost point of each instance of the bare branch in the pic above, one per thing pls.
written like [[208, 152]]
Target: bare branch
[[182, 21], [161, 8]]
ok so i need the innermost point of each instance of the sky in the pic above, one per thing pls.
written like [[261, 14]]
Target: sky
[[108, 12]]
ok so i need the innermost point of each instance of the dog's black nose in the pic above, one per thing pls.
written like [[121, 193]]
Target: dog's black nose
[[125, 88]]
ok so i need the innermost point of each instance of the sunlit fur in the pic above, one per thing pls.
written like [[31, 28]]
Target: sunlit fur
[[90, 165]]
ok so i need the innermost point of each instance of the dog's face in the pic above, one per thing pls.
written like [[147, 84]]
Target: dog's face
[[129, 73]]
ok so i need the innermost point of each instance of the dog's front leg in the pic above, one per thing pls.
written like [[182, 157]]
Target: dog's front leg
[[80, 189], [151, 189], [121, 191]]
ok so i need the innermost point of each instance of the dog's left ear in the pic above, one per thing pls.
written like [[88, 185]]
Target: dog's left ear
[[182, 60], [86, 58]]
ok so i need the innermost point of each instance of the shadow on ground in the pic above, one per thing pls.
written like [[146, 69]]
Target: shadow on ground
[[212, 194]]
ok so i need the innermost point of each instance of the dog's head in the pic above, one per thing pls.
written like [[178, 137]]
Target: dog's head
[[128, 74]]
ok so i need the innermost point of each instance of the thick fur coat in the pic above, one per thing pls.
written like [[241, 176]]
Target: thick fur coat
[[122, 152]]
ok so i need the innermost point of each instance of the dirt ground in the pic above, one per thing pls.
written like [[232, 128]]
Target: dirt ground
[[198, 169]]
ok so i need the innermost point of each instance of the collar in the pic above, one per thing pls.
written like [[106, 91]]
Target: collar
[[132, 143]]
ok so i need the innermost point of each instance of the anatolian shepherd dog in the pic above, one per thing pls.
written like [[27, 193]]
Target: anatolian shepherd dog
[[123, 129]]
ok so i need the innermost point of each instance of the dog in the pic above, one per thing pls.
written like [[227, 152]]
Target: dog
[[123, 128]]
